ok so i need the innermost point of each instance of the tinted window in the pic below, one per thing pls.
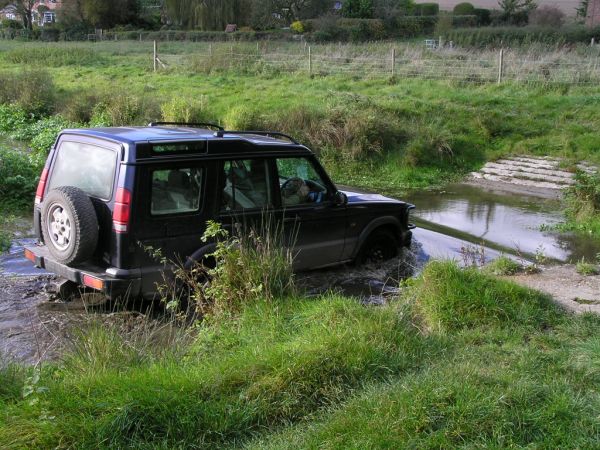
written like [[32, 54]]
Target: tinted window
[[246, 185], [88, 167], [299, 182], [176, 191]]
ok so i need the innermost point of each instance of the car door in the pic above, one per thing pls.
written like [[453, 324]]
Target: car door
[[246, 194], [175, 203], [311, 218]]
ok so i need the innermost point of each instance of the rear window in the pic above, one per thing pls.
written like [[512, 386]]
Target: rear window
[[88, 167]]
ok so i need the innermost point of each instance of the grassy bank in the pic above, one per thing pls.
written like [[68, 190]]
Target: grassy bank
[[462, 360]]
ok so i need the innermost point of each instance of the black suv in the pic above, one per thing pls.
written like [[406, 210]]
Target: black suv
[[107, 195]]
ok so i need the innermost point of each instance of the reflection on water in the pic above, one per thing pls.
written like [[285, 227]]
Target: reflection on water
[[502, 222]]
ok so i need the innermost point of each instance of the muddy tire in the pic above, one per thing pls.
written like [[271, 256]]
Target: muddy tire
[[69, 225], [380, 246]]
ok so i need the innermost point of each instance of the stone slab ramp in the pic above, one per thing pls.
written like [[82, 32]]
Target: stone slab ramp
[[542, 172]]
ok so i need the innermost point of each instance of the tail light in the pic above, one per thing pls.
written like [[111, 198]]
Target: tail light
[[121, 210], [39, 193]]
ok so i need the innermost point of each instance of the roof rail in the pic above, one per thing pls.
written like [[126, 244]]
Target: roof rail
[[188, 124], [223, 132]]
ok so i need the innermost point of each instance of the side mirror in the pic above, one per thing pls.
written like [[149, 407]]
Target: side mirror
[[340, 198]]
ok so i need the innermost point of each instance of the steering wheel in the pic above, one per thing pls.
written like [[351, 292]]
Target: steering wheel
[[287, 184]]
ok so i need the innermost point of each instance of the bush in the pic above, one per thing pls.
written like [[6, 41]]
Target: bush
[[585, 268], [463, 9], [180, 109], [484, 16], [297, 27], [452, 299], [547, 16], [252, 266], [32, 90], [18, 179], [503, 265], [427, 9], [521, 36]]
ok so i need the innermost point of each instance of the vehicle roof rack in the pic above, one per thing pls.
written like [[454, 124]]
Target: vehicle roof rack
[[188, 124], [223, 132]]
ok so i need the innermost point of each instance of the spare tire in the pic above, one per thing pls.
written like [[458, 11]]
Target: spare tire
[[69, 225]]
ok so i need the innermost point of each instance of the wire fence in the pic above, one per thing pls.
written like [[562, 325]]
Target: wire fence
[[486, 67]]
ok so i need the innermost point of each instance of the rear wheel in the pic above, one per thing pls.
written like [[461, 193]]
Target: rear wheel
[[69, 225], [380, 246]]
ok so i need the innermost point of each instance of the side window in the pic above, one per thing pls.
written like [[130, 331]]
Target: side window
[[246, 186], [86, 166], [176, 191], [299, 182]]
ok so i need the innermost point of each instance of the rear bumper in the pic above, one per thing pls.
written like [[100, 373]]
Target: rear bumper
[[126, 283]]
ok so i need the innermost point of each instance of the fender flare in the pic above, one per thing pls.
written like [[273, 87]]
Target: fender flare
[[372, 226], [199, 255]]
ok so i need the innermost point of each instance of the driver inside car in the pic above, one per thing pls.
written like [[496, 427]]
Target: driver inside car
[[295, 191]]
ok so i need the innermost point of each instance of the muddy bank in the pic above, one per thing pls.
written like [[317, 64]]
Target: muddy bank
[[576, 293]]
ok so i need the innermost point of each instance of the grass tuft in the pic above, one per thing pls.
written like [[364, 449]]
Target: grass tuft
[[503, 265], [452, 299]]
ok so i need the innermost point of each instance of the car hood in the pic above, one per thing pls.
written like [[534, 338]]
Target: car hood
[[360, 196]]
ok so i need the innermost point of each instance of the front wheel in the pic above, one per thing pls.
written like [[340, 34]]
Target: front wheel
[[380, 246]]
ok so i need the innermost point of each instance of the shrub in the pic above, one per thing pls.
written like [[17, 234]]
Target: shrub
[[297, 27], [427, 9], [243, 118], [463, 9], [18, 179], [13, 119], [32, 90], [585, 268], [583, 197], [181, 109], [484, 16], [503, 265], [452, 299], [547, 16], [253, 265]]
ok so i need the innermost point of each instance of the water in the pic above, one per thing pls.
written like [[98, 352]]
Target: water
[[464, 215], [14, 263]]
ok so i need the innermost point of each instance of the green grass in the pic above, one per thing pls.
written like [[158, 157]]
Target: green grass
[[585, 268], [503, 265], [502, 368]]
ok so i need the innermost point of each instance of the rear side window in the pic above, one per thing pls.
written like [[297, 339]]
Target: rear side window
[[176, 191], [85, 166]]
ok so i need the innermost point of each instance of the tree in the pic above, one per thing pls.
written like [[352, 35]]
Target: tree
[[99, 13], [516, 12], [547, 16], [464, 9], [582, 9], [360, 9], [390, 9], [24, 8]]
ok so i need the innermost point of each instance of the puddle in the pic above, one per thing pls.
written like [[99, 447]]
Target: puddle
[[14, 263]]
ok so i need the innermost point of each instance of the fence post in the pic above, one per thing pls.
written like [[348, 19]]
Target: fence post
[[593, 42], [140, 37], [393, 61], [501, 66], [309, 62], [154, 59], [210, 50]]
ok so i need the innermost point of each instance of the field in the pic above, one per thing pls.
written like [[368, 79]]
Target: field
[[460, 359]]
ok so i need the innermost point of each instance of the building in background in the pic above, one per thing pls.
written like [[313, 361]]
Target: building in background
[[593, 14]]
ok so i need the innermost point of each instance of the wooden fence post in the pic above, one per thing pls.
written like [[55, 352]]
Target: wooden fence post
[[393, 61], [210, 50], [501, 66], [155, 56], [309, 62]]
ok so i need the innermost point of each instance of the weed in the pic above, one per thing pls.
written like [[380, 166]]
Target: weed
[[503, 265], [472, 255], [585, 268]]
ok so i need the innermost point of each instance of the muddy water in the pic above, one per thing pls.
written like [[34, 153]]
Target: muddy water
[[464, 215]]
